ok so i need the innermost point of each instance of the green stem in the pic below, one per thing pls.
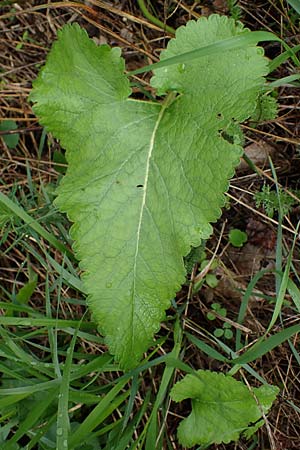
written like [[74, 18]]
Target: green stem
[[154, 19]]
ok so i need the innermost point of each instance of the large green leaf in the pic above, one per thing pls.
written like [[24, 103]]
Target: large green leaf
[[222, 408], [144, 179]]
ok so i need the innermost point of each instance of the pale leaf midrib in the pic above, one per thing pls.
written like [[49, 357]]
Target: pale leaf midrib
[[143, 204]]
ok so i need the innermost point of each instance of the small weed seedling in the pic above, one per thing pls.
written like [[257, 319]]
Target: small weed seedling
[[218, 310], [270, 202], [237, 238], [197, 256]]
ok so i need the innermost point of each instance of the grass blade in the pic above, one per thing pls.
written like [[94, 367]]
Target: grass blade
[[99, 413], [31, 419], [207, 349], [295, 4], [283, 57], [234, 43], [30, 389], [32, 223], [63, 423], [263, 347], [294, 293], [244, 305], [44, 322]]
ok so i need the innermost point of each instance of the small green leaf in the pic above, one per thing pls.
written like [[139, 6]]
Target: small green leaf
[[11, 140], [211, 280], [60, 160], [228, 334], [222, 408], [210, 316], [203, 264], [274, 201], [216, 306], [197, 286], [237, 238], [218, 332], [24, 294], [214, 265], [222, 312]]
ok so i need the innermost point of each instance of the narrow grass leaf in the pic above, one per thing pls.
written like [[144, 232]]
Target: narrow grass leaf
[[81, 396], [33, 364], [151, 437], [279, 252], [30, 389], [44, 322], [233, 43], [12, 373], [130, 403], [32, 417], [281, 283], [33, 223], [6, 429], [63, 423], [283, 57], [69, 278], [102, 415], [178, 364], [295, 352], [267, 345], [296, 408], [10, 308], [207, 349], [7, 401], [294, 293], [98, 364], [244, 304], [123, 443], [99, 413], [295, 4], [38, 435], [284, 81], [52, 335]]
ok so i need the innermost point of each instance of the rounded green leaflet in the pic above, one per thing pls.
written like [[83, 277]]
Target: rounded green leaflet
[[144, 179], [237, 238], [222, 408]]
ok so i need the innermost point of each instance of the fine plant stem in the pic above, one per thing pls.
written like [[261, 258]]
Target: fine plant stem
[[154, 19]]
